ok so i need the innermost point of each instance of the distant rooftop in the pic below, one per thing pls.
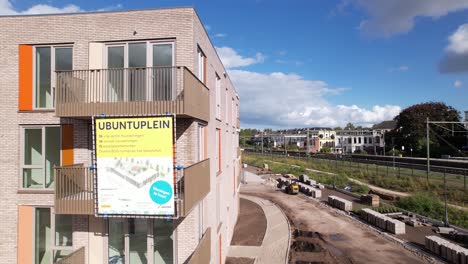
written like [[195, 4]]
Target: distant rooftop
[[389, 124]]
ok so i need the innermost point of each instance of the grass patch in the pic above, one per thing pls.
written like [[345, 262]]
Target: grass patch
[[384, 177], [429, 205]]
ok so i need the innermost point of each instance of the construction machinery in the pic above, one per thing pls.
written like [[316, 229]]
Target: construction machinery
[[288, 182]]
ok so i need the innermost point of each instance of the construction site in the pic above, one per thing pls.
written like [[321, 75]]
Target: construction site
[[326, 224]]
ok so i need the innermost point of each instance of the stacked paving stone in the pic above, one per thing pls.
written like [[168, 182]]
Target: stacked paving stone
[[340, 203], [309, 190], [395, 227], [382, 221], [453, 253]]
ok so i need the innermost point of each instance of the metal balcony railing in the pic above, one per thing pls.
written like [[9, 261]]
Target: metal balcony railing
[[127, 91], [74, 190]]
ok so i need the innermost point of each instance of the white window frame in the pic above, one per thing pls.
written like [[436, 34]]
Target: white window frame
[[53, 76], [43, 146], [201, 57]]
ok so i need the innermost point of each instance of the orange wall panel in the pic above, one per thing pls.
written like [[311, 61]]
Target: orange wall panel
[[67, 145], [25, 75], [25, 234]]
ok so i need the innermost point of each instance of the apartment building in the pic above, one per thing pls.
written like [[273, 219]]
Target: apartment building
[[58, 73], [320, 139], [351, 141]]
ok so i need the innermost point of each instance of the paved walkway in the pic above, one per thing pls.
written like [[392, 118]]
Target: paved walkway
[[275, 246]]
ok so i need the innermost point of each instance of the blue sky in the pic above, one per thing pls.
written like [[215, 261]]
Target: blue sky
[[324, 62]]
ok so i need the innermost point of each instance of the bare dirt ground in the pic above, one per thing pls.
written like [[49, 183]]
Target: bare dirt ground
[[251, 225], [322, 235]]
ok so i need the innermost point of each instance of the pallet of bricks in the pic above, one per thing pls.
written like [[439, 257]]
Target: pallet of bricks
[[383, 222], [447, 250], [309, 190], [340, 203]]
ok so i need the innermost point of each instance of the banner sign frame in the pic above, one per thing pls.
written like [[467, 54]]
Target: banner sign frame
[[142, 176]]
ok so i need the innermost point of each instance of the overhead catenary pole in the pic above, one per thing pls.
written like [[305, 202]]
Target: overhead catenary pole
[[262, 141], [428, 150]]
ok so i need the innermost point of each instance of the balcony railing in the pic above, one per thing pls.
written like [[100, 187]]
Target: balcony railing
[[131, 91], [195, 185], [77, 257], [202, 253], [74, 187]]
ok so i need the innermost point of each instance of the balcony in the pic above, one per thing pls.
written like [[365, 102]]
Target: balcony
[[195, 185], [74, 189], [131, 91], [77, 257], [202, 253]]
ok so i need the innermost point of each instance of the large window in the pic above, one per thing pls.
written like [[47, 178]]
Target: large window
[[41, 152], [130, 239], [140, 71], [53, 236], [49, 59]]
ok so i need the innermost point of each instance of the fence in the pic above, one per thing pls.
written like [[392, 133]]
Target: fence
[[454, 178]]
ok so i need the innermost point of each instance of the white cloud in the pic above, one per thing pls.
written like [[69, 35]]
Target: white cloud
[[6, 8], [280, 99], [458, 41], [220, 35], [457, 84], [455, 58], [288, 100], [231, 59], [402, 68], [391, 17]]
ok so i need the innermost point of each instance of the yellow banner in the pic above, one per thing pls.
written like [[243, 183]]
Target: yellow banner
[[134, 137]]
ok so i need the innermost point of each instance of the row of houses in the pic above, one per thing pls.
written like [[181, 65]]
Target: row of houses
[[317, 139]]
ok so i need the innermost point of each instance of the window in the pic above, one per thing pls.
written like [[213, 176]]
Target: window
[[48, 60], [226, 106], [232, 113], [370, 140], [202, 149], [53, 236], [218, 149], [201, 65], [354, 139], [359, 140], [365, 140], [218, 97], [41, 152], [140, 71]]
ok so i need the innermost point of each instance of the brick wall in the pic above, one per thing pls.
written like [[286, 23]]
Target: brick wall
[[181, 24]]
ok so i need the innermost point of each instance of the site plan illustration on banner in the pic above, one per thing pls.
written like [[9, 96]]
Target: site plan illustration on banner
[[135, 166]]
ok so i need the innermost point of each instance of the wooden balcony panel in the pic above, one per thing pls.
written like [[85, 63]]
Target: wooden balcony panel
[[196, 184], [143, 91], [74, 190], [202, 253]]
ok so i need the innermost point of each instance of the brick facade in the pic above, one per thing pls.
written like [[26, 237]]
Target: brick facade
[[78, 30]]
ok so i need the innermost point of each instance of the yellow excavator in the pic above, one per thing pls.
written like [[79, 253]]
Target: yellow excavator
[[289, 183]]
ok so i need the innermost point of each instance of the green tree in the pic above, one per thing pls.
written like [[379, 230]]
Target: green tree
[[410, 131], [350, 126]]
